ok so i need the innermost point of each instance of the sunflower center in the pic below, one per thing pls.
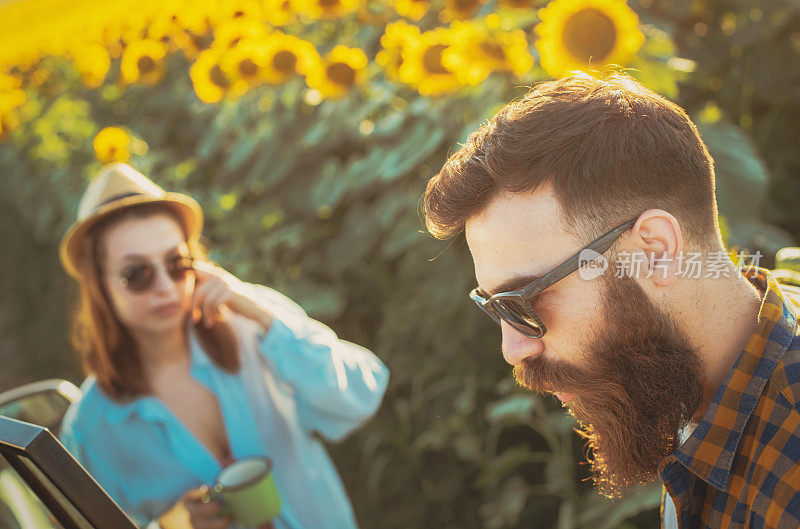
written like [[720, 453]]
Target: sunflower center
[[146, 64], [432, 59], [200, 42], [493, 50], [465, 6], [285, 62], [248, 68], [590, 35], [341, 73], [328, 4], [217, 76]]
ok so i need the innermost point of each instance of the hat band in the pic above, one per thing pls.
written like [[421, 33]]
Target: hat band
[[115, 198]]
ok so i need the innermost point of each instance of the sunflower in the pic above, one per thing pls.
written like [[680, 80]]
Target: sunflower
[[38, 75], [286, 56], [117, 32], [229, 34], [393, 41], [459, 9], [279, 12], [112, 38], [111, 145], [143, 61], [581, 34], [422, 65], [316, 9], [11, 97], [210, 82], [8, 122], [223, 11], [478, 51], [412, 9], [92, 62], [244, 65], [164, 31], [11, 93], [179, 29], [340, 70], [190, 20]]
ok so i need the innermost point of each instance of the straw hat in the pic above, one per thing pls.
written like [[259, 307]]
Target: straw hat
[[119, 186]]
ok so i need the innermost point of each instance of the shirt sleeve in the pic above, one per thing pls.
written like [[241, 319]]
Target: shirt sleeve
[[337, 385]]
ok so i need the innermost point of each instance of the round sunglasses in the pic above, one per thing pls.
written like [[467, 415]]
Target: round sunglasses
[[141, 276], [515, 307]]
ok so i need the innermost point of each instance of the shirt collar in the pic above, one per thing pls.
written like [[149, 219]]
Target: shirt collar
[[147, 406], [199, 357], [710, 450], [144, 406]]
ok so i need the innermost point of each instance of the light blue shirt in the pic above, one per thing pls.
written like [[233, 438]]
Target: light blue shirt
[[296, 379]]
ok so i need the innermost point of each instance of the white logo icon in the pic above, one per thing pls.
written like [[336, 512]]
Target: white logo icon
[[591, 264]]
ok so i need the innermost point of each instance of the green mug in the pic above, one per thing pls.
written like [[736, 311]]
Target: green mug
[[247, 490]]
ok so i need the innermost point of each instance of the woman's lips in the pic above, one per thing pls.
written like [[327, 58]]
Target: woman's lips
[[167, 310], [565, 397]]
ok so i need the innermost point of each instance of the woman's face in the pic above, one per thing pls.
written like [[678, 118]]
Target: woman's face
[[154, 241]]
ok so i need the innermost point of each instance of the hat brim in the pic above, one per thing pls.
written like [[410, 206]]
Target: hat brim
[[187, 209]]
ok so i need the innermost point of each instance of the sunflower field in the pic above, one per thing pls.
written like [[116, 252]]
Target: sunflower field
[[307, 130]]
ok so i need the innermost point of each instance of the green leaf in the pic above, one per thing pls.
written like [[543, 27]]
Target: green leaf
[[513, 410], [242, 151], [504, 509], [566, 514], [329, 186]]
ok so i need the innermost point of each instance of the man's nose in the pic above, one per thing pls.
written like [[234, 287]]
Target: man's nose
[[517, 347]]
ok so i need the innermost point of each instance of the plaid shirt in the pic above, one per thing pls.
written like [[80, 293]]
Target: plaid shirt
[[740, 467]]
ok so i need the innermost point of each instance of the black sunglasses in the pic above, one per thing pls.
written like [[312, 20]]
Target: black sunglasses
[[140, 277], [515, 307]]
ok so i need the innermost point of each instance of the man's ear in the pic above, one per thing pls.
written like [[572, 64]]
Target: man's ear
[[658, 234]]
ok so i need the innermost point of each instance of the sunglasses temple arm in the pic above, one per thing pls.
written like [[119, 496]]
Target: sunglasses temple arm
[[570, 265]]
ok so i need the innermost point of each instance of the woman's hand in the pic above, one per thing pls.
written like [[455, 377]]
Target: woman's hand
[[190, 512], [216, 287]]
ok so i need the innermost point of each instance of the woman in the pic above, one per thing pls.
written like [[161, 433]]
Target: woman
[[188, 368]]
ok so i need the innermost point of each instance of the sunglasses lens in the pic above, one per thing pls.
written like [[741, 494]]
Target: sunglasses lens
[[519, 317], [138, 278]]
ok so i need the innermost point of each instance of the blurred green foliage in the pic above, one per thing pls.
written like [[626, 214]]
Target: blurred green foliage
[[322, 203], [745, 51]]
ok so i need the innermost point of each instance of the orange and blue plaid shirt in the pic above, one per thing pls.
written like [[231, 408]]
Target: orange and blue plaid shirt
[[741, 465]]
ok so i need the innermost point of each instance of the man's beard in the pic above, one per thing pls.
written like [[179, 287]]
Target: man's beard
[[644, 382]]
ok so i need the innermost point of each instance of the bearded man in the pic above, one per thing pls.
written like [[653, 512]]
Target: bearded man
[[583, 205]]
